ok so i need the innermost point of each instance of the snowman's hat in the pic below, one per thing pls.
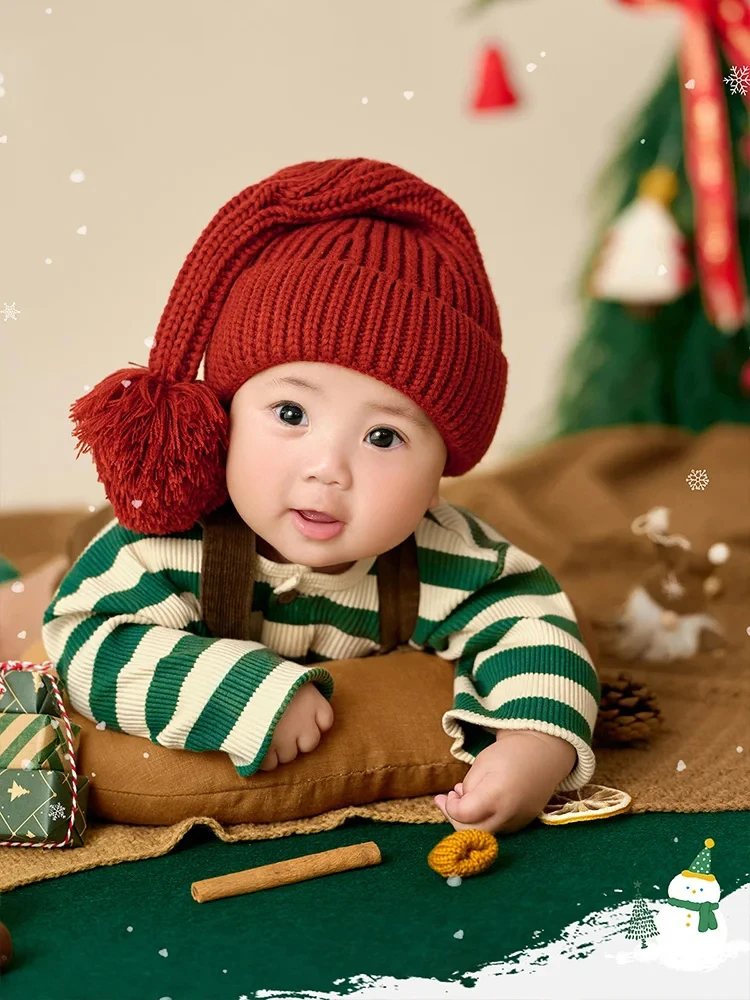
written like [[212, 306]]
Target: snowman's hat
[[701, 866]]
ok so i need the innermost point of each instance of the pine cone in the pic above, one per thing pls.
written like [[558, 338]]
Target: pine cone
[[628, 713]]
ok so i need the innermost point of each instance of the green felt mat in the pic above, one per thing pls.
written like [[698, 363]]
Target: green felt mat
[[397, 918]]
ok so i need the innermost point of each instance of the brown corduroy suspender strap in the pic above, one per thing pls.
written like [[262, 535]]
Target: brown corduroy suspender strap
[[398, 593], [227, 570]]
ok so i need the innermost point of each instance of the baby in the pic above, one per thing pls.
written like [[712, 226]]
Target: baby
[[353, 359]]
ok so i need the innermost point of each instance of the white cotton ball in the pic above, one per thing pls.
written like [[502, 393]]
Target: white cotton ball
[[718, 553]]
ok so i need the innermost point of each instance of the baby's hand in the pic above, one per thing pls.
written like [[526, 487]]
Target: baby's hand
[[509, 783], [307, 716]]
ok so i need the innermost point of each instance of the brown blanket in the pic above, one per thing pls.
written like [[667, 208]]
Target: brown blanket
[[571, 503]]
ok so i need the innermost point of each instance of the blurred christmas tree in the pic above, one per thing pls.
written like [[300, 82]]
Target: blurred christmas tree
[[654, 361], [665, 329]]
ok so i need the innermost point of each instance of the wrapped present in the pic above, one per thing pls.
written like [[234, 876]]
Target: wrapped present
[[35, 741], [35, 807], [39, 807], [28, 692]]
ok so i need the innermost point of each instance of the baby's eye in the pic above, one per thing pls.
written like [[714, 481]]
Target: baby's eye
[[384, 433], [287, 407]]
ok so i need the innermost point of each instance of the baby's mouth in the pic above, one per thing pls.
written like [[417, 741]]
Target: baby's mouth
[[316, 515]]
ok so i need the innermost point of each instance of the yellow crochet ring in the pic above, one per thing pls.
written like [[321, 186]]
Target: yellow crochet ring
[[463, 853]]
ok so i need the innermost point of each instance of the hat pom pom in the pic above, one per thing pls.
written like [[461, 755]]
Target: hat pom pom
[[159, 448]]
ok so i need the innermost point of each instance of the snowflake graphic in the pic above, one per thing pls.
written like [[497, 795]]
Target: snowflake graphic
[[10, 311], [697, 480], [57, 811], [738, 80]]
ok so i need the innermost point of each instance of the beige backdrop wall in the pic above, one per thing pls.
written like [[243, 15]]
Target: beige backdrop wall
[[170, 108]]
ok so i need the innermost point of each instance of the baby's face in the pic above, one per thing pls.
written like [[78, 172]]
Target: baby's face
[[336, 450]]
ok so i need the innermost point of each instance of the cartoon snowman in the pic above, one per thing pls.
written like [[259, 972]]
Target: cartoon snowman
[[692, 931]]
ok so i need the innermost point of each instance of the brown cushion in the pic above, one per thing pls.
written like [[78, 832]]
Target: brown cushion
[[386, 742]]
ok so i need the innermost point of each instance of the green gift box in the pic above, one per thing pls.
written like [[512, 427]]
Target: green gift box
[[35, 741], [29, 692], [35, 806]]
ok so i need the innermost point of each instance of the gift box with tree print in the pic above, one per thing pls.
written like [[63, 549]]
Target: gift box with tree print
[[37, 762]]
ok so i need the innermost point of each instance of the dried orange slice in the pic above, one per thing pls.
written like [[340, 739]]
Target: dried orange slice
[[589, 802]]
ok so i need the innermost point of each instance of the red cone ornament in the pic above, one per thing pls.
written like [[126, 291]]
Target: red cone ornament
[[493, 90]]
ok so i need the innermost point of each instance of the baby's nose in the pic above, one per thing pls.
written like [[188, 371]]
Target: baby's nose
[[693, 891]]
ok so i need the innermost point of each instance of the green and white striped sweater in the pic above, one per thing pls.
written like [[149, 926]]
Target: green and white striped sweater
[[126, 633]]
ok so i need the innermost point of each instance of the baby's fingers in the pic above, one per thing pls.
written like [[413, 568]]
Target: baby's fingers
[[470, 808], [475, 813], [270, 761], [440, 799]]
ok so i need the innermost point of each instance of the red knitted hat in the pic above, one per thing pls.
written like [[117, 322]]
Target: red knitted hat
[[348, 262]]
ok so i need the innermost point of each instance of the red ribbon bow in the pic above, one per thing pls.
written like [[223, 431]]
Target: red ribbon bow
[[708, 160]]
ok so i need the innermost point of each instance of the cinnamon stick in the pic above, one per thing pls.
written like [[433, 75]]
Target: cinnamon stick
[[339, 859]]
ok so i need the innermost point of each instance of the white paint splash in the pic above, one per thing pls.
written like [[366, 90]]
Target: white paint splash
[[590, 959]]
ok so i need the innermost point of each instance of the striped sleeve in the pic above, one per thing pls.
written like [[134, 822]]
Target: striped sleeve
[[125, 632], [520, 661]]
